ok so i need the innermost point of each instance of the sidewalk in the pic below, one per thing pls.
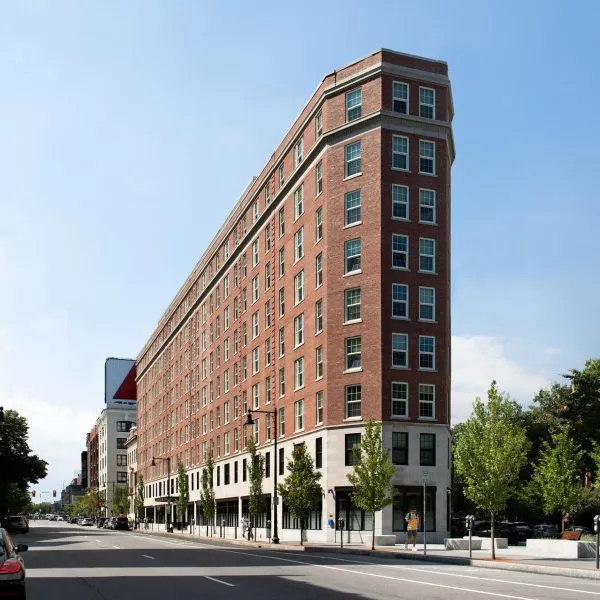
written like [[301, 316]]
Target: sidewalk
[[510, 559]]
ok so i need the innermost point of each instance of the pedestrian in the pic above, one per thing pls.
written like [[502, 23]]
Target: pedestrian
[[412, 526], [244, 526]]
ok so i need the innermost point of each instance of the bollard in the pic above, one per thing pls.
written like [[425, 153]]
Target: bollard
[[341, 525], [597, 530]]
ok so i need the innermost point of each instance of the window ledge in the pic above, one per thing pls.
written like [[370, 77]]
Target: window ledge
[[353, 273], [401, 219], [428, 223], [350, 419], [428, 174], [350, 225], [401, 170], [432, 321], [427, 272], [353, 322], [400, 418], [348, 177], [399, 368], [318, 332], [356, 370], [428, 419], [400, 318], [400, 268], [421, 370]]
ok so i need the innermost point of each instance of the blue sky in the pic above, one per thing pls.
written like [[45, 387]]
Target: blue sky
[[129, 130]]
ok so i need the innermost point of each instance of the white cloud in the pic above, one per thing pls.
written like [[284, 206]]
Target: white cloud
[[552, 351], [477, 360]]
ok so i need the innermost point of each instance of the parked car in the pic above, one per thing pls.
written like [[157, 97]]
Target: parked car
[[87, 522], [121, 523], [17, 524], [545, 530], [109, 523], [100, 522], [12, 568]]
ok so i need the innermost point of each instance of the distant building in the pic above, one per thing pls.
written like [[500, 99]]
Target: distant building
[[70, 492], [84, 470], [91, 443], [131, 447]]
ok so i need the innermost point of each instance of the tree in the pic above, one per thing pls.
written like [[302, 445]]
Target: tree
[[301, 490], [138, 501], [80, 507], [490, 453], [19, 466], [556, 475], [184, 493], [120, 500], [256, 470], [372, 475], [207, 491], [95, 501]]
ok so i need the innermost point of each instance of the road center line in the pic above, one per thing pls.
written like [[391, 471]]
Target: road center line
[[219, 581], [150, 557]]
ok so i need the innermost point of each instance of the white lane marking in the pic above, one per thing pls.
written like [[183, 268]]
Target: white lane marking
[[219, 581], [426, 569], [150, 557]]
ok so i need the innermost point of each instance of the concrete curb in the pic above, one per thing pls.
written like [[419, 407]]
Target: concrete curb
[[502, 565]]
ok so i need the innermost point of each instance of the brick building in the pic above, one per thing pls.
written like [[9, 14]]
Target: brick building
[[325, 295]]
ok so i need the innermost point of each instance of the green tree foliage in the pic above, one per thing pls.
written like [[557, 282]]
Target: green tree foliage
[[556, 475], [256, 471], [120, 501], [372, 476], [490, 453], [95, 501], [207, 491], [18, 466], [184, 492], [81, 507], [301, 490], [138, 502]]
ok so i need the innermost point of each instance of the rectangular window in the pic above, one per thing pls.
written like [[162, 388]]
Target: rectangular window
[[255, 251], [318, 316], [426, 304], [267, 275], [399, 202], [298, 153], [298, 202], [255, 360], [121, 460], [244, 469], [351, 440], [426, 103], [267, 194], [353, 397], [281, 342], [267, 314], [319, 125], [352, 154], [399, 448], [400, 152], [255, 325], [318, 179], [426, 157], [268, 396], [267, 458], [255, 288], [427, 447], [267, 352], [227, 450], [255, 396], [319, 408], [121, 477], [299, 244], [426, 401], [299, 330], [299, 373], [399, 301], [299, 287], [400, 97], [427, 352], [281, 175], [400, 350], [427, 206], [353, 353], [352, 252], [319, 224], [281, 262], [281, 221], [399, 251], [319, 453], [254, 211], [352, 207], [352, 304], [353, 105], [319, 362], [319, 270], [281, 382], [281, 302], [281, 426], [426, 255], [399, 399], [299, 415], [281, 461]]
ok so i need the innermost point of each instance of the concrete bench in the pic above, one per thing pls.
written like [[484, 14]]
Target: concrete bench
[[486, 542], [462, 543], [561, 548], [385, 540]]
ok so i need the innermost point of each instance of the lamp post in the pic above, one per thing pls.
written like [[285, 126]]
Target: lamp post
[[153, 464], [250, 421]]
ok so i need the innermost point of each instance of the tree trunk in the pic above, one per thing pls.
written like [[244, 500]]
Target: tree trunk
[[373, 534], [562, 522], [301, 536], [493, 538]]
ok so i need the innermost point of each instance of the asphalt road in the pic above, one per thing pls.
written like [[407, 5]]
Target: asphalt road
[[69, 562]]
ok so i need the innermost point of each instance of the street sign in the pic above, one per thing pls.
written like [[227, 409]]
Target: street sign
[[424, 475]]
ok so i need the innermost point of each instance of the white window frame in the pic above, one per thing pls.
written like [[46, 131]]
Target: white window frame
[[352, 158], [281, 342], [424, 156], [299, 330], [347, 305], [281, 175], [400, 340], [319, 224], [400, 199], [299, 373], [424, 104], [353, 105], [319, 270], [399, 395], [281, 221], [255, 288], [353, 354], [319, 367], [318, 179], [298, 244], [351, 207], [430, 403], [399, 290], [255, 211], [400, 152], [352, 257], [298, 152], [256, 396], [255, 325], [255, 252], [425, 196], [319, 125], [424, 253], [298, 202], [318, 317], [355, 402], [299, 415], [427, 353], [255, 360], [401, 86], [319, 408], [299, 287], [397, 237], [281, 262], [423, 303]]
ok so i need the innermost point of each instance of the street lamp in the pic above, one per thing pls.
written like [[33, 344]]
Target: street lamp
[[250, 421], [153, 464]]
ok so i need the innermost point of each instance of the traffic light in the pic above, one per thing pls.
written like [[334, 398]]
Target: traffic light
[[54, 493]]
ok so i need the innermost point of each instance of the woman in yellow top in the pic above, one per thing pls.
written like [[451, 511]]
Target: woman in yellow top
[[412, 526]]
